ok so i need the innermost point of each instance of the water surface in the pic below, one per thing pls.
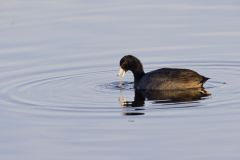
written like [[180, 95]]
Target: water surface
[[60, 97]]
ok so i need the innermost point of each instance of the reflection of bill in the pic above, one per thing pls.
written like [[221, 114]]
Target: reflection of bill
[[165, 96], [128, 111], [122, 101]]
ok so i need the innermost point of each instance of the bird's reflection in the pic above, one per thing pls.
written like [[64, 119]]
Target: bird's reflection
[[166, 96]]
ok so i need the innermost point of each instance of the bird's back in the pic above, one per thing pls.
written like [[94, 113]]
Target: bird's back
[[171, 78]]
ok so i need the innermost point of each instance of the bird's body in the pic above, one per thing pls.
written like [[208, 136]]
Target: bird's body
[[161, 79], [170, 78]]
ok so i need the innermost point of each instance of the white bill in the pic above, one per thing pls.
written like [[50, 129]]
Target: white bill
[[121, 73]]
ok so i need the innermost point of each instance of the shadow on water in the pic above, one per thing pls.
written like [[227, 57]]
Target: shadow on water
[[163, 97]]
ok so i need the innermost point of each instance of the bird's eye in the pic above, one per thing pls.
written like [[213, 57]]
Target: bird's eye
[[124, 63]]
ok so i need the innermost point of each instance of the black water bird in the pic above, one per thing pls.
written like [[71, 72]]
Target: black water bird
[[160, 79]]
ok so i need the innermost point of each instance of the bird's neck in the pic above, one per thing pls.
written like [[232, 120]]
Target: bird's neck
[[138, 72], [137, 76]]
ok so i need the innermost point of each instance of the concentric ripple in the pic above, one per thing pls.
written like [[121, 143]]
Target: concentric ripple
[[98, 90]]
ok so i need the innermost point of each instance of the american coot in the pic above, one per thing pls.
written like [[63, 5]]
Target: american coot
[[161, 79]]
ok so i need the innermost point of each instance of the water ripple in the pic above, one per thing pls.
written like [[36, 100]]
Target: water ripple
[[97, 91]]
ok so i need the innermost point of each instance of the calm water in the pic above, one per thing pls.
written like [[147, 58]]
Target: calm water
[[60, 97]]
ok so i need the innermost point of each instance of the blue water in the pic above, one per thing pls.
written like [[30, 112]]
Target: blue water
[[60, 97]]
